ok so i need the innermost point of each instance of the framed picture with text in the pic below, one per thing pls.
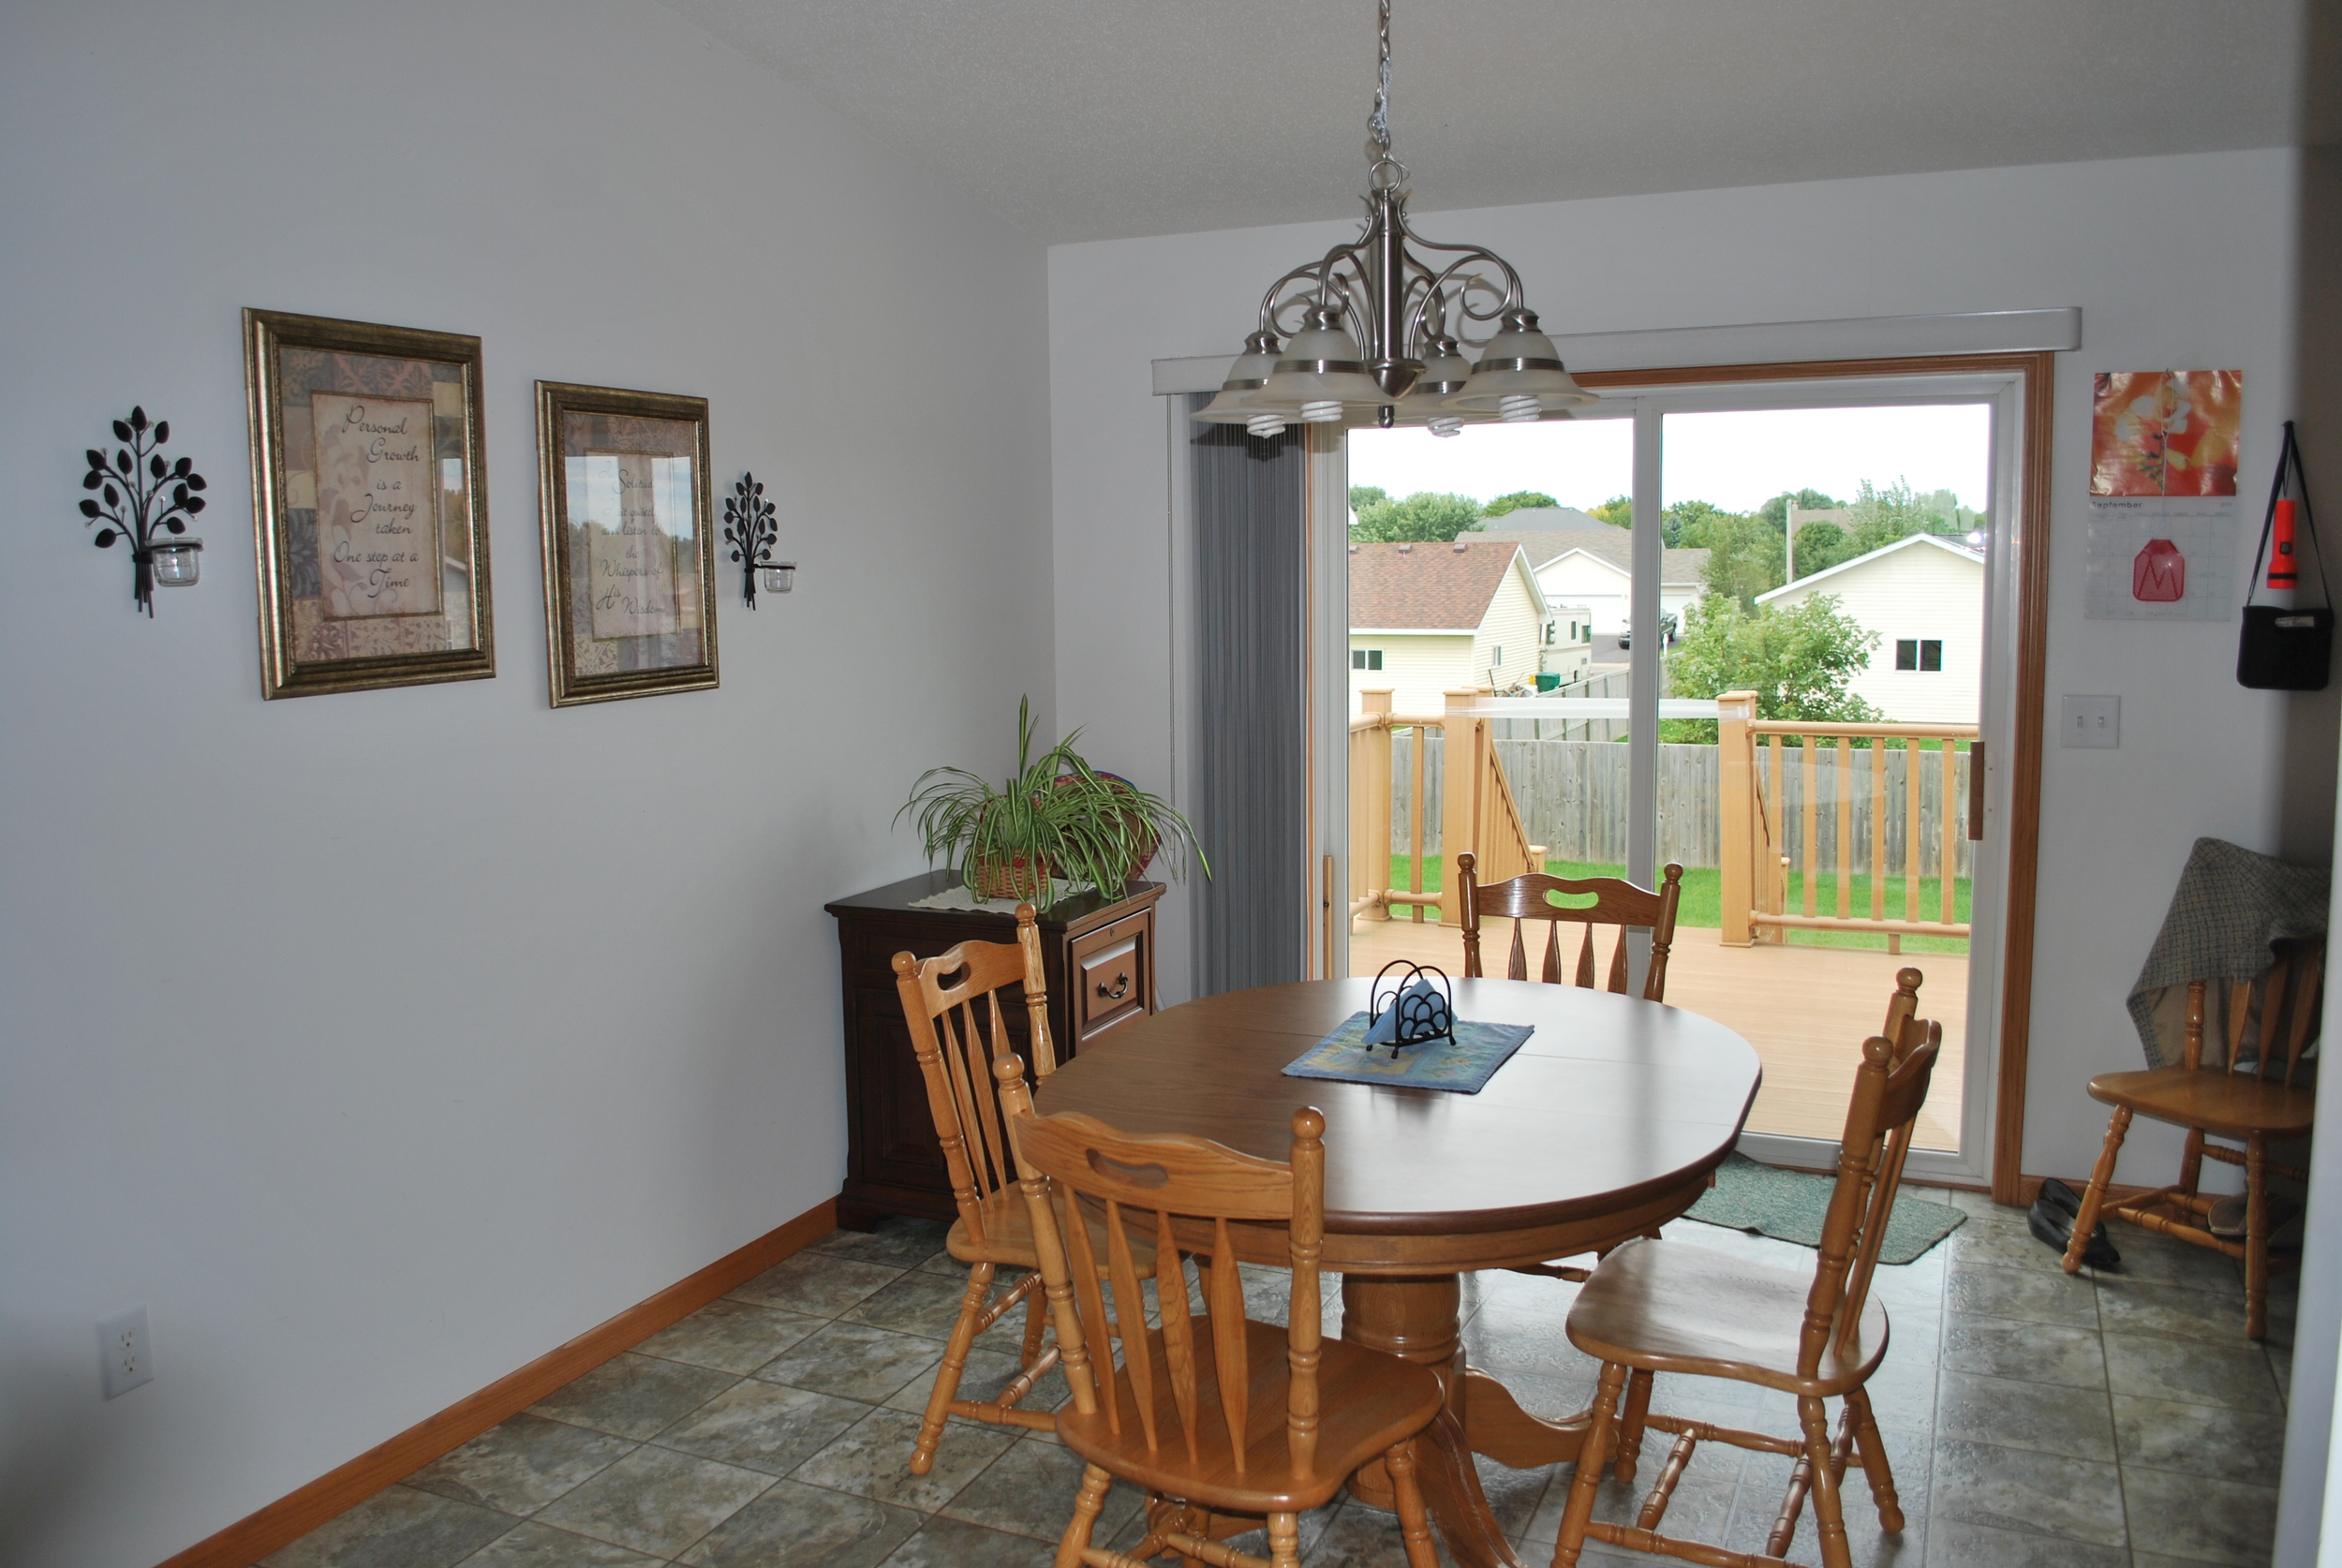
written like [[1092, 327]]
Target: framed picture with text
[[630, 578], [370, 505]]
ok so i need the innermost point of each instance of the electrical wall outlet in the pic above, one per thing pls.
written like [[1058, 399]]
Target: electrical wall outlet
[[125, 1352], [2094, 721]]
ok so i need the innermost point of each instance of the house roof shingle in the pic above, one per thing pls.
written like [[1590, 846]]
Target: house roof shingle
[[1431, 586], [1539, 520], [1678, 568]]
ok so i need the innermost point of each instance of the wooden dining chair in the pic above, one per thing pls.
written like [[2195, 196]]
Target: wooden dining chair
[[1671, 1306], [2252, 1098], [959, 1030], [1616, 902], [1211, 1412]]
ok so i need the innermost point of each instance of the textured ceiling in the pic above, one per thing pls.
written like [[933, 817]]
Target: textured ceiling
[[1094, 119]]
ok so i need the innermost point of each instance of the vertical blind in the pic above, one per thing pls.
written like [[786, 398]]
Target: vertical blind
[[1252, 746]]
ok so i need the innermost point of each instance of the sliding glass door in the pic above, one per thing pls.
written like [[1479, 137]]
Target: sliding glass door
[[1754, 630]]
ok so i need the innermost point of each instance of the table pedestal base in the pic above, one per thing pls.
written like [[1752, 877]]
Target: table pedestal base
[[1416, 1318]]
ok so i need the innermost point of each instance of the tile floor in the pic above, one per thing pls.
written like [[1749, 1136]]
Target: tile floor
[[2032, 1419]]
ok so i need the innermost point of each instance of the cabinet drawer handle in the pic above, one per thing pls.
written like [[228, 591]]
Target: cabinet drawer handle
[[1121, 988]]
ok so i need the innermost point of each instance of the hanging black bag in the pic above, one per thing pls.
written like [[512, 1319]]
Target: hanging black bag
[[2283, 648]]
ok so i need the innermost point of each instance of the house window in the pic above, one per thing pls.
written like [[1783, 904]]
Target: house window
[[1496, 653], [1366, 658], [1922, 654]]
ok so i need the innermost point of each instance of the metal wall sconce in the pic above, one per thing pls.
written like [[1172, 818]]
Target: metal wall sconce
[[176, 563], [779, 576], [146, 500], [748, 529]]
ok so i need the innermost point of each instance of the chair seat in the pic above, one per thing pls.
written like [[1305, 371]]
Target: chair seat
[[2232, 1104], [1668, 1306], [1375, 1399], [1008, 1236]]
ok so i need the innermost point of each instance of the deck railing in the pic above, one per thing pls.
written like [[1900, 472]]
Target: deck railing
[[1756, 755], [1477, 811]]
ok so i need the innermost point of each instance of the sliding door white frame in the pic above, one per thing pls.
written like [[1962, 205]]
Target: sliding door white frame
[[1972, 1162]]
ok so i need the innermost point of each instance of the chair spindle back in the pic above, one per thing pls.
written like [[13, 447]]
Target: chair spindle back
[[2290, 995], [1174, 1187], [1889, 1088], [959, 1031], [1527, 897]]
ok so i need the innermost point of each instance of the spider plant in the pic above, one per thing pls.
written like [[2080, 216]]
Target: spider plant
[[1055, 819]]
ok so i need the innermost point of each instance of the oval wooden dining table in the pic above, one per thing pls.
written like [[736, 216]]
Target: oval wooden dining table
[[1604, 1125]]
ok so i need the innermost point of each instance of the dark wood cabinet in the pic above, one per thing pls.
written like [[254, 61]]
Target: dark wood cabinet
[[1098, 952]]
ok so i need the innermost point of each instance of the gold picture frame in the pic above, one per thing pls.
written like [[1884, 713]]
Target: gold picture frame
[[629, 570], [367, 462]]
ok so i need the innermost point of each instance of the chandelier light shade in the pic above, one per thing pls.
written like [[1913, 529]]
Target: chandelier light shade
[[1376, 330], [1241, 400], [1520, 373]]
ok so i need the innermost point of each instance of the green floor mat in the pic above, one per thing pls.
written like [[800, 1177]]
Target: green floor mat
[[1790, 1205]]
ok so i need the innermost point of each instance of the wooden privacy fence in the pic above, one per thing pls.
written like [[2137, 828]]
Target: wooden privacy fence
[[1573, 798], [1768, 823], [1617, 684]]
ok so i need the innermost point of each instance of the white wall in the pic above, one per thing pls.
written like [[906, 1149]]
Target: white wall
[[1592, 582], [1512, 627], [2200, 756], [2312, 1493], [1419, 669], [381, 1042]]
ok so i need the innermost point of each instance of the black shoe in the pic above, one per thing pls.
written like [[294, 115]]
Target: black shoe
[[2055, 1230], [2061, 1198]]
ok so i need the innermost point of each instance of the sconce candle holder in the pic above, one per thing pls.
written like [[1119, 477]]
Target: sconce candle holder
[[1412, 1011], [146, 500], [748, 529]]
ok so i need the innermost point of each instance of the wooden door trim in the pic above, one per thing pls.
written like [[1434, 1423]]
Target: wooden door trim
[[2037, 374], [346, 1486]]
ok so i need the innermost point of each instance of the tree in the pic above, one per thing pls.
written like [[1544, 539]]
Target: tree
[[1883, 516], [1364, 496], [1744, 558], [1424, 517], [1800, 661], [1618, 511], [1518, 499], [1776, 511], [1685, 525], [1821, 546]]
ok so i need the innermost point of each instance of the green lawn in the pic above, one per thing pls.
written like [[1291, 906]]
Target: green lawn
[[1703, 902]]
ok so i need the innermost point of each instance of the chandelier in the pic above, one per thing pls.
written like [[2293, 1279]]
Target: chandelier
[[1415, 317]]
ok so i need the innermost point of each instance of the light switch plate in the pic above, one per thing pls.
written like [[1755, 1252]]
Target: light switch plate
[[125, 1352], [2091, 721]]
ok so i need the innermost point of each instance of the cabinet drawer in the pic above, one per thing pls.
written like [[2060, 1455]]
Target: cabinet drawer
[[1109, 976]]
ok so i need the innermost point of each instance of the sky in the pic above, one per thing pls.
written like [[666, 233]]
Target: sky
[[1737, 460]]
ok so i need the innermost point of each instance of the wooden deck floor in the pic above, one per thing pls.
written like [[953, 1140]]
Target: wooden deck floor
[[1806, 1010]]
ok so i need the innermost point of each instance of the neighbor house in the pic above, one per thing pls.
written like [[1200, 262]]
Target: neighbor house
[[1580, 559], [1923, 596], [1428, 620]]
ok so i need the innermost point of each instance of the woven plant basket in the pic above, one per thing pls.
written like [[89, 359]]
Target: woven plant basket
[[988, 878]]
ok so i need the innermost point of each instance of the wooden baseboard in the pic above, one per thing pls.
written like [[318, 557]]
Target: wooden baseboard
[[294, 1516], [2029, 1188]]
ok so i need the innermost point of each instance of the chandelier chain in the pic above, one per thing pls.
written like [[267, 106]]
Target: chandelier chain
[[1378, 123]]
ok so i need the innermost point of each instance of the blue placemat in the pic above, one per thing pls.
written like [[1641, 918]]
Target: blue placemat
[[1464, 1065]]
